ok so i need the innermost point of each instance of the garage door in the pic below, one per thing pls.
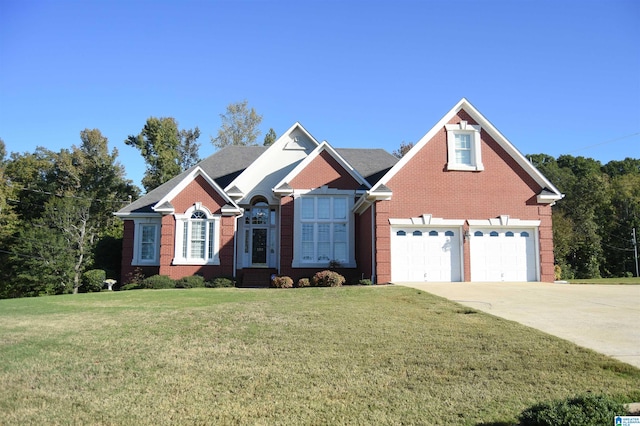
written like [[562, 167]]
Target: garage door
[[503, 255], [425, 254]]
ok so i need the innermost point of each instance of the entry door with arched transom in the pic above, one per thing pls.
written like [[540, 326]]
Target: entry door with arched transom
[[261, 224]]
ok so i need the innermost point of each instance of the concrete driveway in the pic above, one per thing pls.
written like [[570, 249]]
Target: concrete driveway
[[605, 318]]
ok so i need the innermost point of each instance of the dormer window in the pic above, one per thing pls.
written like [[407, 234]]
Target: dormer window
[[463, 147]]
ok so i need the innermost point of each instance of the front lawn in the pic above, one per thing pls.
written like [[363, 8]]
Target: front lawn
[[350, 355]]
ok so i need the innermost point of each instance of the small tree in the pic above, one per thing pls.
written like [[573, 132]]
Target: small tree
[[270, 138], [404, 148]]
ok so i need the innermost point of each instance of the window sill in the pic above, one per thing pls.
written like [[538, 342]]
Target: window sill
[[465, 167], [196, 262]]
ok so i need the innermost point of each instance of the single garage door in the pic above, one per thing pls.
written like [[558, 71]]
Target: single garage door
[[425, 254], [503, 255]]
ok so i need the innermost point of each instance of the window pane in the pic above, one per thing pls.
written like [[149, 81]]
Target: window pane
[[463, 157], [148, 233], [463, 141], [185, 239], [211, 236], [307, 252], [340, 252], [339, 208], [324, 208], [198, 231], [307, 232], [148, 243], [340, 232], [307, 208], [324, 251], [323, 233]]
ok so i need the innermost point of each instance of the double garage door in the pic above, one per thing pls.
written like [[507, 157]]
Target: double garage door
[[435, 254]]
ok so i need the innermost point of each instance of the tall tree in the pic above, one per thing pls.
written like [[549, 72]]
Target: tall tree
[[404, 148], [239, 126], [64, 205], [270, 137], [167, 150]]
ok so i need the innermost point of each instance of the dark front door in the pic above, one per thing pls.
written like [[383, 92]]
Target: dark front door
[[259, 246]]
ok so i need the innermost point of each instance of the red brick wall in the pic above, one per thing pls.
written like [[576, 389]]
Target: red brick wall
[[424, 186], [363, 244], [198, 190], [286, 235], [324, 170]]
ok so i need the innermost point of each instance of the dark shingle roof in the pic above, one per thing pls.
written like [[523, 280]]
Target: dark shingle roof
[[228, 163]]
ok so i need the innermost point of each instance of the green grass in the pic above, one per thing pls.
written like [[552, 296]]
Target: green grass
[[351, 355], [611, 281]]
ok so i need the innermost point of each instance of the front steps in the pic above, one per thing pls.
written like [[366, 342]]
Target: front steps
[[256, 277]]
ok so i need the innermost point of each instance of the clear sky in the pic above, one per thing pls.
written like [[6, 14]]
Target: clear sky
[[555, 77]]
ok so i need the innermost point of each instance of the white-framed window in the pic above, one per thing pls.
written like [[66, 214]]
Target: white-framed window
[[323, 230], [146, 245], [197, 237], [463, 147]]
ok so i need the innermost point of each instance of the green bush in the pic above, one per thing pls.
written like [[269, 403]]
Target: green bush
[[365, 282], [282, 282], [585, 410], [192, 281], [220, 282], [93, 280], [303, 282], [327, 279], [158, 282]]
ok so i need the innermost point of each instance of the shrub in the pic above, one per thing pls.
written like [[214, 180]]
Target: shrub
[[365, 282], [192, 281], [282, 282], [93, 280], [586, 410], [327, 279], [220, 282], [303, 282], [158, 282]]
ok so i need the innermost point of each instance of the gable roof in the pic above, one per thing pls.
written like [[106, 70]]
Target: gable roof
[[549, 191], [222, 166], [283, 185]]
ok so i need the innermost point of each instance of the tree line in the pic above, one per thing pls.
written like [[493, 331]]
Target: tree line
[[57, 226]]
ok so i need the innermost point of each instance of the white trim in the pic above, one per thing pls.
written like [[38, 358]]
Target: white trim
[[298, 222], [504, 221], [197, 171], [472, 130], [426, 220], [183, 218], [137, 241]]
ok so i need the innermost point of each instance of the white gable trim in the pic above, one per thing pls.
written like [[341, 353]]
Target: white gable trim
[[324, 146], [197, 171], [486, 125]]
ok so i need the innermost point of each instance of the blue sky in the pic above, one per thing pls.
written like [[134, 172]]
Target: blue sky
[[555, 77]]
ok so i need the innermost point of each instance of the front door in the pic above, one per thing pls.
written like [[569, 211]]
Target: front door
[[259, 246]]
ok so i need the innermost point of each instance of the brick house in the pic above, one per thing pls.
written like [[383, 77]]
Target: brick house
[[462, 205]]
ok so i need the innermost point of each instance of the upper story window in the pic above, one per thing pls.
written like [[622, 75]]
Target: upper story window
[[197, 237], [463, 147]]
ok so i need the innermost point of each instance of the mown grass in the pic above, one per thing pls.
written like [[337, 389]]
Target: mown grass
[[351, 355], [610, 281]]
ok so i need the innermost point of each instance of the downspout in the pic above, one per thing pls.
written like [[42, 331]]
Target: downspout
[[235, 243], [373, 243]]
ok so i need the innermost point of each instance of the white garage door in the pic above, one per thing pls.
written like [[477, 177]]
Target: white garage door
[[503, 255], [425, 254]]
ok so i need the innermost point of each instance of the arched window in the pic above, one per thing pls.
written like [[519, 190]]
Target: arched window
[[433, 233], [524, 234], [197, 237], [417, 233], [449, 234], [401, 234], [493, 234], [508, 234], [478, 234]]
